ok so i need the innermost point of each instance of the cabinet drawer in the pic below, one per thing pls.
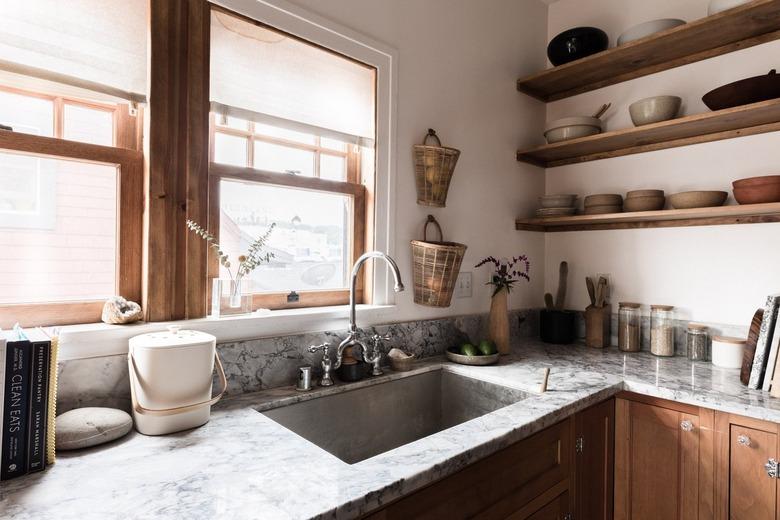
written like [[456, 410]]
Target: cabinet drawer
[[496, 487]]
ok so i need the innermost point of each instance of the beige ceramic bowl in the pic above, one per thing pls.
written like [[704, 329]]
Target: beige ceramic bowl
[[698, 199], [644, 193], [654, 109], [651, 203], [604, 199], [572, 128], [557, 201]]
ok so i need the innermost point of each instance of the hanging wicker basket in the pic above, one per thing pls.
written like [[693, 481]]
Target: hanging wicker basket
[[433, 168], [436, 268]]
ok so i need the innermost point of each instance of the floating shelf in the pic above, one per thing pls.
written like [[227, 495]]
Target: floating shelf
[[739, 28], [756, 118], [722, 215]]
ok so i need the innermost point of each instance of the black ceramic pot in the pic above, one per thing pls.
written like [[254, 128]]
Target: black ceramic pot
[[576, 43], [559, 327]]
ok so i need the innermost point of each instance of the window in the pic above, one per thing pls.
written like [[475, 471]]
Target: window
[[70, 207], [292, 135]]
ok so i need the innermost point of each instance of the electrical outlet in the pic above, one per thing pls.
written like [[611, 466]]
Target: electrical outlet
[[463, 285]]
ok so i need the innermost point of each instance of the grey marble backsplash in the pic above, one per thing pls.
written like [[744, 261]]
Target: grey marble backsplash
[[260, 364]]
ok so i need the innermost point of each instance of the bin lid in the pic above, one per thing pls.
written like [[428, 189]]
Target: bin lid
[[174, 337]]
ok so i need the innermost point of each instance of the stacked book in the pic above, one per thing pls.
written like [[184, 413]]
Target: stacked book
[[28, 391]]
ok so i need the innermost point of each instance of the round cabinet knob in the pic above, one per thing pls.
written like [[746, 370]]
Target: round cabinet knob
[[743, 440], [686, 426]]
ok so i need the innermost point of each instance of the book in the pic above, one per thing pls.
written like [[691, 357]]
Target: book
[[38, 396], [761, 356], [51, 413], [13, 461], [2, 386], [771, 363]]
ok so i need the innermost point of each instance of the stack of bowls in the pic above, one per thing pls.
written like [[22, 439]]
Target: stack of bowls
[[644, 200], [557, 206], [603, 203], [757, 190], [572, 128]]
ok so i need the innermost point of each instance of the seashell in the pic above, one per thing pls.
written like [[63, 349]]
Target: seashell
[[118, 310]]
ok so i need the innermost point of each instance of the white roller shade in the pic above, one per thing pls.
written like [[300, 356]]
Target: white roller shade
[[95, 44], [269, 76]]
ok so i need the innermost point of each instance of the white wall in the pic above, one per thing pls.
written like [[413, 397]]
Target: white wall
[[717, 274], [458, 63]]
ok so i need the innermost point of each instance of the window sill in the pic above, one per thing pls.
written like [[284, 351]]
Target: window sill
[[100, 339]]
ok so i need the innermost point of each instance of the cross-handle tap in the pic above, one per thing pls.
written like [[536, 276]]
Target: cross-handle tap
[[326, 364], [375, 357]]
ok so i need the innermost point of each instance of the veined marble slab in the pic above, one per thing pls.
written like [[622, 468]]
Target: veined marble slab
[[244, 465]]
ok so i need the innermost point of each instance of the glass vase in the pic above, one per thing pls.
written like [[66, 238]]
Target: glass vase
[[230, 297]]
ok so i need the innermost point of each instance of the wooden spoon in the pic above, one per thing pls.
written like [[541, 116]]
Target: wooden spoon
[[602, 110], [591, 290]]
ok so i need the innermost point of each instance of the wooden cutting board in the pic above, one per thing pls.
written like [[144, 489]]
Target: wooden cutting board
[[750, 346]]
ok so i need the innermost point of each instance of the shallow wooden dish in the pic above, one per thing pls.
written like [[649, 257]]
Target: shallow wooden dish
[[744, 92], [472, 360]]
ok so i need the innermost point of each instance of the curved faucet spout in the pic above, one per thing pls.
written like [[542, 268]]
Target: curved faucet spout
[[399, 286]]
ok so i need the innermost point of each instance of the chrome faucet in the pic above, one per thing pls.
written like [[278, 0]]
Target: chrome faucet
[[353, 339]]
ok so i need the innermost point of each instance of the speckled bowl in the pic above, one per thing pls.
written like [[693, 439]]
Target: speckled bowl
[[472, 360]]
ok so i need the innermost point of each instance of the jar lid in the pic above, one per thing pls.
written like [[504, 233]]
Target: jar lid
[[729, 339], [697, 326], [630, 305], [661, 307], [174, 337]]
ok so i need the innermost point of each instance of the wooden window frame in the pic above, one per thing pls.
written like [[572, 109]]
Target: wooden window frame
[[351, 187], [128, 160]]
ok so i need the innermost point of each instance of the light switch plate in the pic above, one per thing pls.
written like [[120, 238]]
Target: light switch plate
[[463, 285]]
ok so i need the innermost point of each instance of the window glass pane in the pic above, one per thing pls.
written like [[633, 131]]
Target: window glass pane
[[311, 242], [88, 125], [27, 114], [281, 133], [333, 168], [277, 158], [333, 144], [58, 224], [230, 149]]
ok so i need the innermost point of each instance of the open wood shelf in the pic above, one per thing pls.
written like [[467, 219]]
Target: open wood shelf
[[756, 118], [744, 26], [722, 215]]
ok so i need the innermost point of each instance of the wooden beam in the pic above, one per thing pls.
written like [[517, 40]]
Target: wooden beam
[[177, 173]]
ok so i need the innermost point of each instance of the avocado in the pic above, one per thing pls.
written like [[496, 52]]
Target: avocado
[[487, 347], [467, 349]]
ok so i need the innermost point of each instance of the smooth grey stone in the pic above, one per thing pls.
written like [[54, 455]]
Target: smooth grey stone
[[85, 427]]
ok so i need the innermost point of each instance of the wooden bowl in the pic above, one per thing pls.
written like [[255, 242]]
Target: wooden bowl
[[472, 360], [698, 199], [744, 92], [651, 203], [645, 193], [603, 209]]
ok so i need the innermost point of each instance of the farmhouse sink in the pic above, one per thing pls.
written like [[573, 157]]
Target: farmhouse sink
[[358, 424]]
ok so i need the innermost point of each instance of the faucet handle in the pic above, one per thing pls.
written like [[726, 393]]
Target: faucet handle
[[378, 338], [325, 348]]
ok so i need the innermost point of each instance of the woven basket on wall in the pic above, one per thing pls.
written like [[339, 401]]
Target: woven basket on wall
[[433, 168], [436, 267]]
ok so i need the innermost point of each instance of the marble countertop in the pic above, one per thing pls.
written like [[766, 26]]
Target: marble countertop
[[244, 465]]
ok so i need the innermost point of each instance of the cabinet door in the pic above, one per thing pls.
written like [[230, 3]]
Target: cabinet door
[[656, 463], [753, 494], [595, 461], [556, 509]]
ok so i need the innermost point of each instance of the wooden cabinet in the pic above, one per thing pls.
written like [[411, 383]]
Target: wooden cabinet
[[547, 476], [594, 462], [745, 489], [663, 460], [507, 484]]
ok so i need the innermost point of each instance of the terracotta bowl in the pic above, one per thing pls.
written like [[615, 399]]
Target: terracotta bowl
[[698, 199], [651, 203], [756, 181], [760, 194]]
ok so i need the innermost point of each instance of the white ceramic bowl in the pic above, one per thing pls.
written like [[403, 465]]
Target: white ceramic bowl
[[654, 109], [727, 352], [716, 6], [572, 128], [646, 29]]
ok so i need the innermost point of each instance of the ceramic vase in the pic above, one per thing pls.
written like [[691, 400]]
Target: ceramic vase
[[498, 321]]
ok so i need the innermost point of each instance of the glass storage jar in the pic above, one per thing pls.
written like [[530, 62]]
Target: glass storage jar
[[662, 330], [696, 342], [629, 327]]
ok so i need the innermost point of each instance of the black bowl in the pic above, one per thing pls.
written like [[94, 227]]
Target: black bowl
[[744, 92], [575, 44]]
